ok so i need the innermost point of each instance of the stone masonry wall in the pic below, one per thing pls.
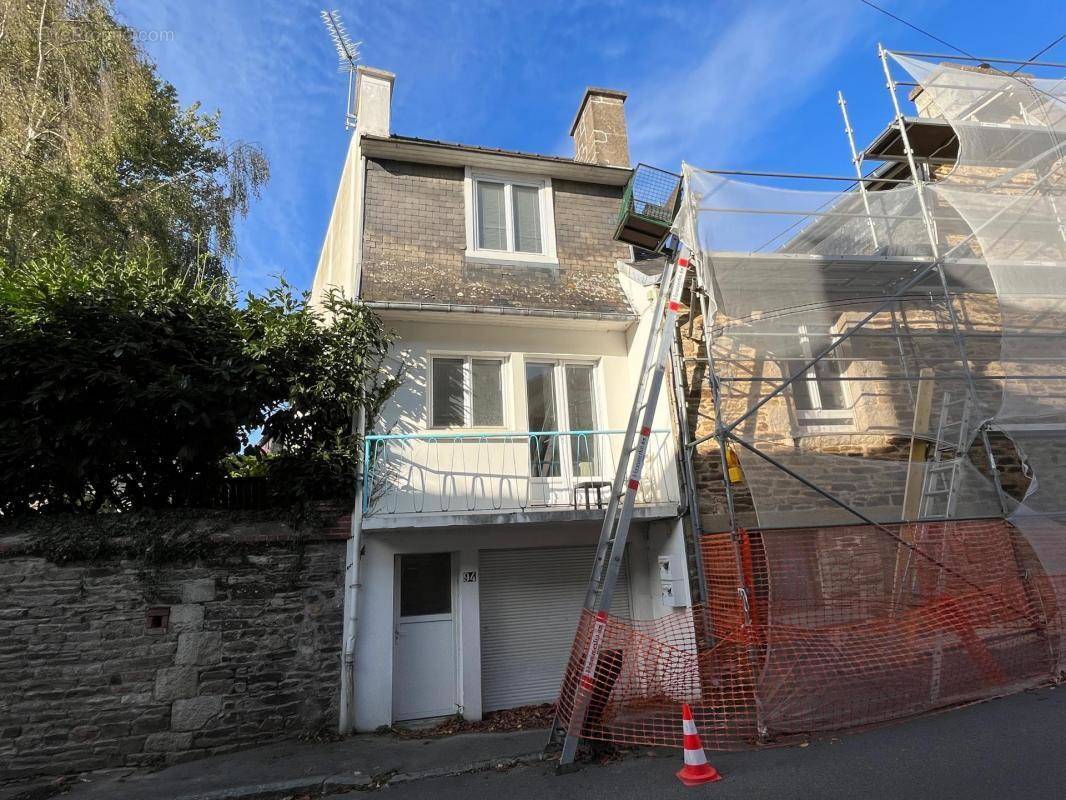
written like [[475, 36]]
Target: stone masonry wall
[[250, 654], [865, 464], [414, 246]]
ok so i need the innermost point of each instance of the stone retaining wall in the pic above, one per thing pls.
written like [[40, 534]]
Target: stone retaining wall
[[103, 669]]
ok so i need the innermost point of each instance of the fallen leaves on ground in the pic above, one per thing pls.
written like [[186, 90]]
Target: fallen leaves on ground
[[511, 719]]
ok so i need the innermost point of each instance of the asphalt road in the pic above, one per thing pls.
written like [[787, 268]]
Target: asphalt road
[[1006, 749]]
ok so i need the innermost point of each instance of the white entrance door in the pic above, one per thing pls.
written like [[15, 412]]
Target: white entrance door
[[424, 662]]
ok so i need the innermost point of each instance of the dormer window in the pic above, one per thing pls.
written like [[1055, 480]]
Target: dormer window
[[509, 219]]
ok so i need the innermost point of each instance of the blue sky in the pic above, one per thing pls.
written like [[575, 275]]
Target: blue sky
[[749, 84]]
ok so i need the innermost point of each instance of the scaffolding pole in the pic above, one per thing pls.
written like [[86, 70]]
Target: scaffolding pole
[[856, 160], [722, 437], [949, 297], [720, 433]]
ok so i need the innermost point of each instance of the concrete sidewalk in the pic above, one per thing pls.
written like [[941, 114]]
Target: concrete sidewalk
[[278, 770], [1010, 747]]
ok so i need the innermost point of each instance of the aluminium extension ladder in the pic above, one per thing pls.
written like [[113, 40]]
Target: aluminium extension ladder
[[615, 530], [940, 488], [940, 484]]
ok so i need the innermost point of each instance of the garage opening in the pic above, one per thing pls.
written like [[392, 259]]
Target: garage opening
[[531, 600]]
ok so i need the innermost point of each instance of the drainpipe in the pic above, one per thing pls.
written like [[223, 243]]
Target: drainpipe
[[357, 242], [351, 595], [346, 721]]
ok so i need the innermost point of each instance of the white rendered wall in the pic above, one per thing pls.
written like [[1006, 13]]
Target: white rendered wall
[[341, 254], [376, 624], [617, 356]]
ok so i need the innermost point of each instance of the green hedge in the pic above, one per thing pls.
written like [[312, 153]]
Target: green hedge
[[125, 387]]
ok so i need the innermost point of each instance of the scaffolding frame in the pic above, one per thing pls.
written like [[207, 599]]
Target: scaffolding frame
[[853, 291], [725, 433]]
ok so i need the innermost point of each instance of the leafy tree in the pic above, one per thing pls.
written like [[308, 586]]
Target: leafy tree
[[326, 363], [125, 386], [93, 145]]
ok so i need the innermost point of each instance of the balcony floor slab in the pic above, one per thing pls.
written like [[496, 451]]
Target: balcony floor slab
[[378, 522]]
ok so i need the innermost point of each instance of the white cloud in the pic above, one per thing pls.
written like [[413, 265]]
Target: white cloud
[[724, 89]]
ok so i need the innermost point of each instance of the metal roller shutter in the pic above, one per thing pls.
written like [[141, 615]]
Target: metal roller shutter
[[530, 602]]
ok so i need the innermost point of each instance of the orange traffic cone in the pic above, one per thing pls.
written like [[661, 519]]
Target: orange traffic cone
[[696, 769]]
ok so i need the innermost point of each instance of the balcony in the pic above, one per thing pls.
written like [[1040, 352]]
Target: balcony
[[427, 479]]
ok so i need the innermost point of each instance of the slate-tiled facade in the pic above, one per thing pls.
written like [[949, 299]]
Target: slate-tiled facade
[[414, 244]]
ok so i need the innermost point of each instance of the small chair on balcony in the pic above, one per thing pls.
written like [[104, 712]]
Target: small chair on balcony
[[589, 485]]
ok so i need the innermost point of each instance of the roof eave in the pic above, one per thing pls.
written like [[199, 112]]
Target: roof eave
[[480, 314], [400, 148]]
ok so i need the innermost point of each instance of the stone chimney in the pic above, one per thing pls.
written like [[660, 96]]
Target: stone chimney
[[927, 107], [599, 129], [373, 101]]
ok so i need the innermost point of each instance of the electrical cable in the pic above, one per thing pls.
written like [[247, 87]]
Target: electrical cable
[[1039, 53], [920, 30]]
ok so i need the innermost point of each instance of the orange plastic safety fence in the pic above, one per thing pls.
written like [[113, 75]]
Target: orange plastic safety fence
[[836, 627]]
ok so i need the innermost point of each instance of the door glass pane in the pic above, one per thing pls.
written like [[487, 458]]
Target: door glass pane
[[491, 216], [580, 409], [448, 393], [425, 584], [526, 201], [540, 399], [488, 392]]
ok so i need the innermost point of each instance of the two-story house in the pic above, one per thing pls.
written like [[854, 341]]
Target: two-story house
[[520, 323]]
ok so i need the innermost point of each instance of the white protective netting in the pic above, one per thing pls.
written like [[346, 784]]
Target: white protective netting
[[790, 271], [1009, 185], [951, 294]]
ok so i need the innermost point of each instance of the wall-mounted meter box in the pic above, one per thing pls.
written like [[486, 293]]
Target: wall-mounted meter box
[[672, 582]]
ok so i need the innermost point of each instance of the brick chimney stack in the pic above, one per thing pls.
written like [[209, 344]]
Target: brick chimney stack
[[599, 129]]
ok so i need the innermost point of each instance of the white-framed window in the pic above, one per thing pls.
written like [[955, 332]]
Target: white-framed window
[[466, 391], [563, 403], [509, 218], [821, 398]]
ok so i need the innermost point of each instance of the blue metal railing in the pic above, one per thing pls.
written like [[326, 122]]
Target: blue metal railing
[[454, 472]]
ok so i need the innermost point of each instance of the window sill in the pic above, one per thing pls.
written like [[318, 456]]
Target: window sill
[[508, 259], [823, 425]]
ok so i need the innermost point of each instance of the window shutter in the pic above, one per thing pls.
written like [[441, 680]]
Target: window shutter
[[526, 201], [491, 216]]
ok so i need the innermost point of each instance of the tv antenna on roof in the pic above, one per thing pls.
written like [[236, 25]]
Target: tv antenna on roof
[[347, 56]]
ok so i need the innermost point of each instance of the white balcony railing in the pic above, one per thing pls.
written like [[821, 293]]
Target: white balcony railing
[[440, 473]]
